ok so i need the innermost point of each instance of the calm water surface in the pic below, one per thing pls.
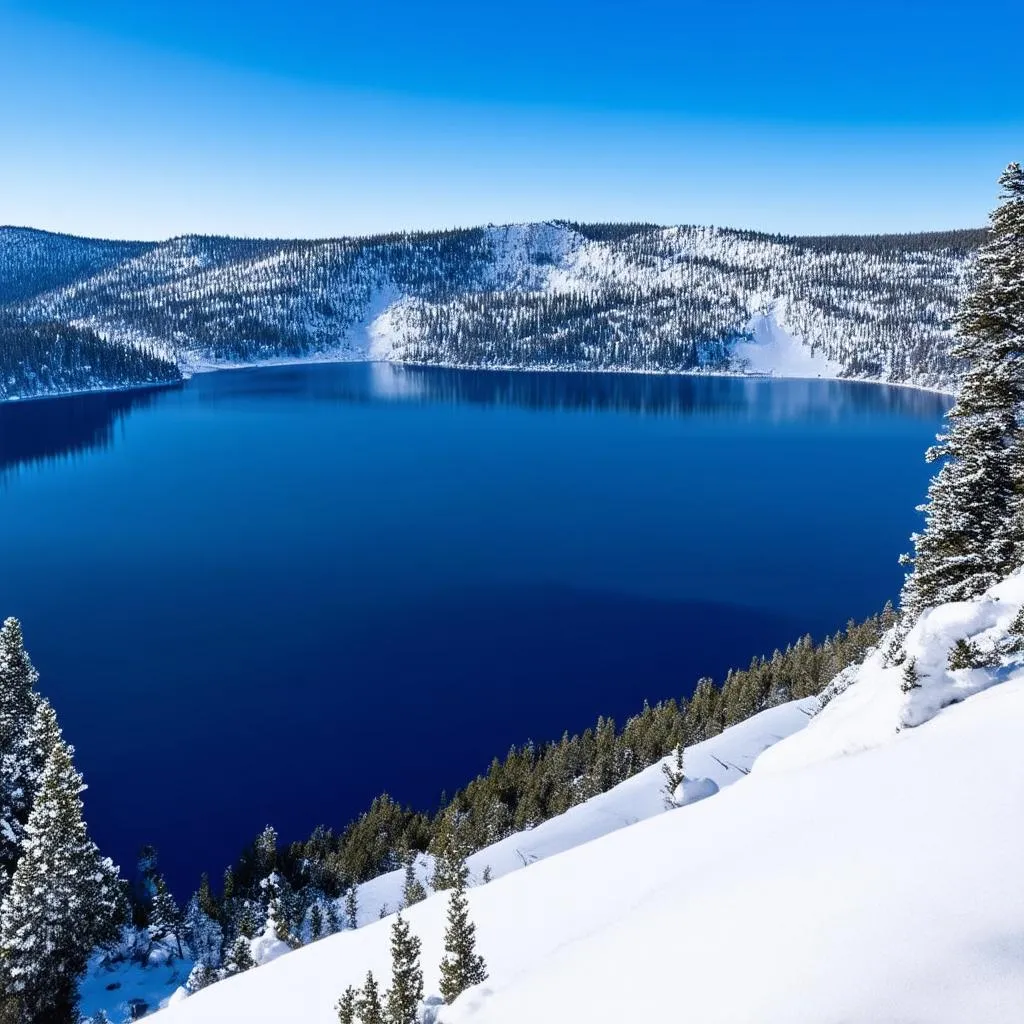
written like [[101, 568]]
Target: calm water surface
[[270, 594]]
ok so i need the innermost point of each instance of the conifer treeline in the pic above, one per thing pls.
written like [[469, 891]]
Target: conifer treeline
[[47, 358]]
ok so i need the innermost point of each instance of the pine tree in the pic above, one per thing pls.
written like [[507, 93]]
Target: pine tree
[[18, 678], [347, 1006], [974, 516], [316, 922], [23, 747], [413, 891], [64, 899], [406, 992], [351, 908], [240, 958], [368, 1002], [674, 776], [461, 966], [451, 846], [204, 934], [205, 898], [266, 851], [201, 976], [165, 917], [911, 679], [965, 653]]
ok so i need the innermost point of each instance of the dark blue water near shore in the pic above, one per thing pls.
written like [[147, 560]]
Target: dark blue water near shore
[[268, 595]]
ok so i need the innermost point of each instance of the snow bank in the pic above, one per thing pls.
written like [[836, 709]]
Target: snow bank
[[689, 791], [871, 704]]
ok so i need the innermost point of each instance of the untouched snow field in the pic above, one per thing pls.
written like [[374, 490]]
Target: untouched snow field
[[864, 871], [776, 352]]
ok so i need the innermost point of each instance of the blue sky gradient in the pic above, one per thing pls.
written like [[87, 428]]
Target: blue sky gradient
[[315, 119]]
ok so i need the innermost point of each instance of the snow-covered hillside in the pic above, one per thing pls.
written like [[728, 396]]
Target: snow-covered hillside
[[865, 870], [551, 295]]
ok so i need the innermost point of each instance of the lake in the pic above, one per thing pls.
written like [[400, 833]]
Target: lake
[[269, 594]]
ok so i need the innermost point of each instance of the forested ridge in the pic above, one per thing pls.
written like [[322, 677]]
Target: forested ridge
[[548, 295]]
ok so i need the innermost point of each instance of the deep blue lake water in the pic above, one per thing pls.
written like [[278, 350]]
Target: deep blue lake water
[[268, 595]]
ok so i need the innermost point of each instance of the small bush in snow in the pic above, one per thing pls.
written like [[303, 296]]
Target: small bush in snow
[[911, 679], [965, 653]]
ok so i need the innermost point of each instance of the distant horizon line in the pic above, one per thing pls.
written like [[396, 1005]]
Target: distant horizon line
[[413, 232]]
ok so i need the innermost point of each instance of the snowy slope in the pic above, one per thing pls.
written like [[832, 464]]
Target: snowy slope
[[864, 871], [723, 759]]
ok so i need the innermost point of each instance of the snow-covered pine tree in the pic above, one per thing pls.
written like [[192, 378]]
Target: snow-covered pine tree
[[974, 517], [64, 899], [406, 992], [239, 957], [351, 907], [20, 757], [200, 977], [911, 678], [203, 934], [368, 1006], [413, 891], [18, 678], [279, 913], [265, 850], [346, 1006], [450, 846], [461, 966], [316, 922], [165, 917]]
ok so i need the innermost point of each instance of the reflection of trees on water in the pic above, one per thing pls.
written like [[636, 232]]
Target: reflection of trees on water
[[53, 429], [46, 430], [657, 394], [664, 394]]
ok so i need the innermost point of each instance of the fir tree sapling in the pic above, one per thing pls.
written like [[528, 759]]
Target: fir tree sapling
[[965, 653], [413, 890], [165, 917], [239, 958], [674, 775], [911, 678], [316, 922], [347, 1006], [368, 1005], [351, 908], [406, 992], [461, 966]]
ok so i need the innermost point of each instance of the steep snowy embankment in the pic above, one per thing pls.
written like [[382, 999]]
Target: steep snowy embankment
[[829, 885]]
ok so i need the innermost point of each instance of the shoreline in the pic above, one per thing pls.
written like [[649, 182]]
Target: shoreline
[[112, 389], [188, 371]]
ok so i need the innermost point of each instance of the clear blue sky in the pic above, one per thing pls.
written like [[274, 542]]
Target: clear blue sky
[[151, 119]]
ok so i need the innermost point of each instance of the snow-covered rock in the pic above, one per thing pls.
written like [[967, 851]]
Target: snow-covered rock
[[689, 791]]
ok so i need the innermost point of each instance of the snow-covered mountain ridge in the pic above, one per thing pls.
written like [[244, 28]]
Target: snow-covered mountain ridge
[[550, 295], [867, 869]]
